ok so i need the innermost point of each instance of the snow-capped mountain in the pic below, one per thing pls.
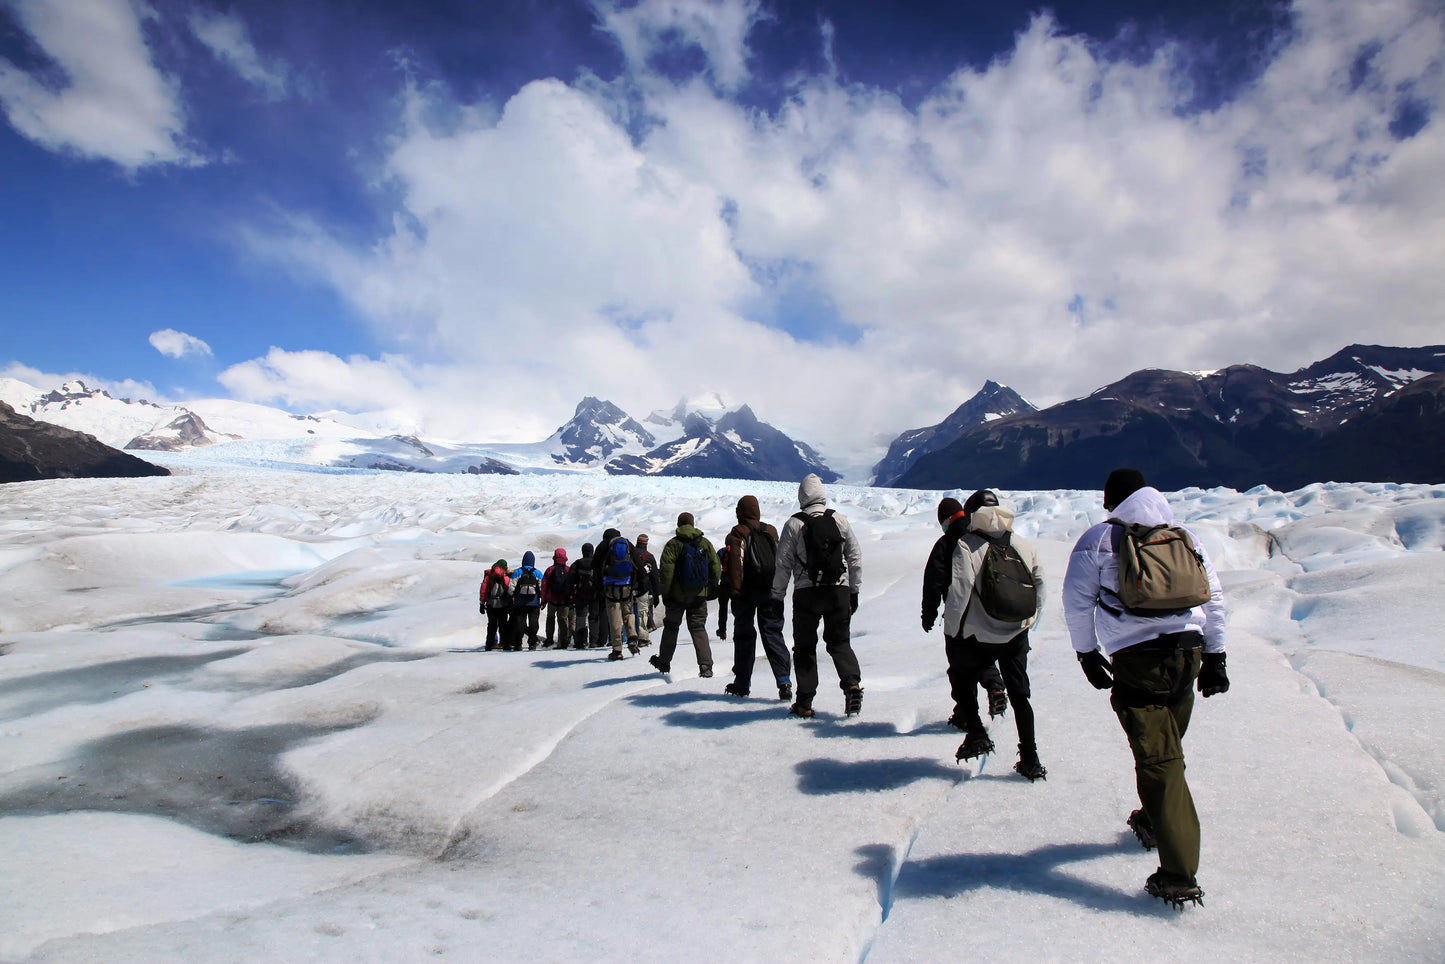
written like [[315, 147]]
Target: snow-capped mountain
[[596, 431], [185, 431], [734, 446], [1239, 427], [992, 402]]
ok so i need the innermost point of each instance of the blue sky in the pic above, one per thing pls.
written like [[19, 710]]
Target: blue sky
[[470, 215]]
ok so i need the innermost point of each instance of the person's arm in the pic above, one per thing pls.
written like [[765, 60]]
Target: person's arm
[[1081, 592], [785, 558]]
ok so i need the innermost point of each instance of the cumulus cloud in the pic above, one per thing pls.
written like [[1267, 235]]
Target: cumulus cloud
[[1053, 220], [176, 344], [110, 101], [228, 38]]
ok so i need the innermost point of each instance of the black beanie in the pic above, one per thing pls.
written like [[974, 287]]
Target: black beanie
[[948, 507], [684, 519], [1121, 484], [978, 500]]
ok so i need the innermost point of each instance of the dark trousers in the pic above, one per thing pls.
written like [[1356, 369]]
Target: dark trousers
[[672, 615], [1153, 697], [597, 622], [499, 625], [970, 662], [829, 604], [584, 631], [524, 626], [768, 616]]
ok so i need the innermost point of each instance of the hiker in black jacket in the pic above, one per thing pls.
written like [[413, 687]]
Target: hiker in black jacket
[[585, 603], [937, 575]]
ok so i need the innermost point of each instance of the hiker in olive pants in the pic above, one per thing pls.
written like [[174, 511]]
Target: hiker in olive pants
[[1153, 697]]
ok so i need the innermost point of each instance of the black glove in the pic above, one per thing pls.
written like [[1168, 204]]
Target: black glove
[[929, 618], [852, 604], [481, 607], [1212, 678], [712, 590], [1097, 669]]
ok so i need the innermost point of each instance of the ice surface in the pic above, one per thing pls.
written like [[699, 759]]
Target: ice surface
[[245, 717]]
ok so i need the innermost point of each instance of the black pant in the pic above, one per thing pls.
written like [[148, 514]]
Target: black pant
[[499, 625], [769, 617], [524, 624], [969, 660], [585, 629], [831, 605]]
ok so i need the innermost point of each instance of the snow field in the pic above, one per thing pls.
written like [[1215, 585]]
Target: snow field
[[310, 640]]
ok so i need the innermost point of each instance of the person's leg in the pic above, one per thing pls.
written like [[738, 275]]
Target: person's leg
[[745, 643], [615, 627], [806, 616], [697, 627], [770, 630], [491, 629], [837, 636], [596, 617], [672, 614], [1013, 663], [566, 625], [1156, 732]]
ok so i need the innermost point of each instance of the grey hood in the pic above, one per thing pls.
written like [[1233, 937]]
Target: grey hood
[[810, 491], [991, 520]]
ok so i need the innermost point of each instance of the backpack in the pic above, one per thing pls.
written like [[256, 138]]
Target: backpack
[[692, 568], [617, 569], [1005, 584], [1160, 571], [560, 582], [822, 548], [526, 586], [496, 592], [760, 554], [581, 579]]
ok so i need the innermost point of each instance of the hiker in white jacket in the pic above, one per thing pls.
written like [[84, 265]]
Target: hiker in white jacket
[[1149, 663], [976, 640]]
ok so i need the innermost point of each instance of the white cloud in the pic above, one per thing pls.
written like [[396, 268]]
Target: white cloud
[[176, 344], [1054, 221], [718, 28], [228, 38], [112, 102], [47, 381]]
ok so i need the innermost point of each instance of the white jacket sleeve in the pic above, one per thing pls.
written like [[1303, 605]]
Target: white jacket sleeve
[[786, 558], [1081, 590], [1214, 609], [852, 554]]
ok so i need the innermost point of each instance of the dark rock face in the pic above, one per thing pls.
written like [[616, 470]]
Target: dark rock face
[[597, 430], [32, 450], [1239, 427], [737, 446], [992, 402]]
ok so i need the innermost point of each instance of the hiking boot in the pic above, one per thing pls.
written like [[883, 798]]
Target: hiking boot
[[633, 649], [705, 672], [853, 701], [733, 689], [801, 710], [1174, 889], [997, 703], [785, 691], [1143, 828], [958, 721], [659, 665], [975, 743], [616, 654], [722, 633], [1029, 765]]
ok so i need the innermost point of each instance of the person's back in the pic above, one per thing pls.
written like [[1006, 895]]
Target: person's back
[[826, 577], [749, 561], [584, 598], [688, 573]]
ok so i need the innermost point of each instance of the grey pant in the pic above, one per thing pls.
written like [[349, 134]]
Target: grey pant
[[696, 614]]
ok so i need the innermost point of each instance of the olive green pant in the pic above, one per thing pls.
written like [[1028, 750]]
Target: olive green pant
[[1153, 697]]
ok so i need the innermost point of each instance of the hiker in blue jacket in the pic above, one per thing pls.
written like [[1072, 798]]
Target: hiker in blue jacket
[[526, 603]]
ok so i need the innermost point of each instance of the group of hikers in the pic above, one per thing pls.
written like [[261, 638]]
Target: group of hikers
[[1142, 603]]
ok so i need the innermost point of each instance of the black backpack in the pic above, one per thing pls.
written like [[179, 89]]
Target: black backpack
[[560, 582], [692, 568], [526, 586], [760, 554], [822, 548], [497, 596], [1005, 584], [581, 576]]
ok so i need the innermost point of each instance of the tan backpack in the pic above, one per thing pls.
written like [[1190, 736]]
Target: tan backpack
[[1160, 571]]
